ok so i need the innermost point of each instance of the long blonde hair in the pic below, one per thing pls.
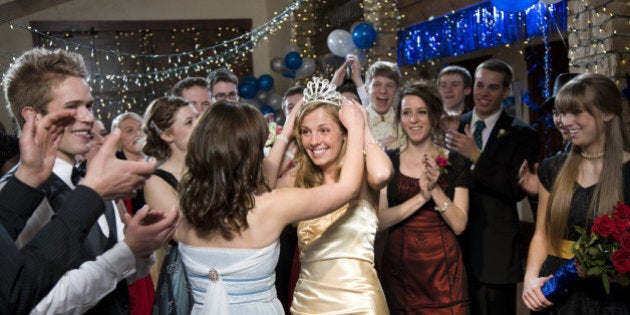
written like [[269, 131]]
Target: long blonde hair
[[308, 174], [599, 96]]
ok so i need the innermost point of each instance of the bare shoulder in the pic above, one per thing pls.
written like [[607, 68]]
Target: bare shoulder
[[155, 183]]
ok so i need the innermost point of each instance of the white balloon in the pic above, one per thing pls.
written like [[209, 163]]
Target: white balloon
[[262, 96], [307, 69], [550, 1], [252, 101], [290, 48], [340, 42], [277, 64], [275, 101]]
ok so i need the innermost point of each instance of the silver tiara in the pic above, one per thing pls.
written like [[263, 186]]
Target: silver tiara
[[321, 90]]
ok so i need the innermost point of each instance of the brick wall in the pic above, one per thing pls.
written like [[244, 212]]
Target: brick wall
[[599, 38]]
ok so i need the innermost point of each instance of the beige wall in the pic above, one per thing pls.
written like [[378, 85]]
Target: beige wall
[[16, 41]]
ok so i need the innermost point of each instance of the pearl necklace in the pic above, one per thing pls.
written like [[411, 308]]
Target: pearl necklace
[[592, 156]]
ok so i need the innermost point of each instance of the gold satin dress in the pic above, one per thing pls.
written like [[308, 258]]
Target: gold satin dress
[[337, 256]]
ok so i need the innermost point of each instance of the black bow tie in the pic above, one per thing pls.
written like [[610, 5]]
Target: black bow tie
[[78, 172]]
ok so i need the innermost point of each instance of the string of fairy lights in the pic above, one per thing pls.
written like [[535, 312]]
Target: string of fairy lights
[[310, 26], [144, 70], [215, 54], [596, 53], [385, 17], [594, 43]]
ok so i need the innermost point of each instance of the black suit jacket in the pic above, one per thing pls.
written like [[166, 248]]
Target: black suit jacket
[[28, 274], [117, 301], [491, 242]]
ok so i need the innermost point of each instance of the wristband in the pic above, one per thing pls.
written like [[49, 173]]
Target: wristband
[[373, 142], [283, 138], [443, 208]]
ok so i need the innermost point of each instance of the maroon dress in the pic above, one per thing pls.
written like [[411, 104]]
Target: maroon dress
[[422, 270]]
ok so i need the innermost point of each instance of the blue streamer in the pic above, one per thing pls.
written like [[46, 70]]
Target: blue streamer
[[476, 27], [559, 285]]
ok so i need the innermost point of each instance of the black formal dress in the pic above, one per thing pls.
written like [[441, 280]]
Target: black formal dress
[[587, 296]]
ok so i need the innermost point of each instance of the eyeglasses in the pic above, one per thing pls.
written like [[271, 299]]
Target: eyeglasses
[[232, 96]]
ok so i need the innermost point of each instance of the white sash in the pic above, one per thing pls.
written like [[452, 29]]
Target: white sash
[[215, 300]]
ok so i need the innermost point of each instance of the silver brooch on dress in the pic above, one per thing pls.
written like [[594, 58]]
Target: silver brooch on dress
[[213, 275]]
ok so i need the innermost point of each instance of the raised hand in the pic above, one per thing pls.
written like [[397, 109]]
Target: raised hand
[[113, 178], [528, 180], [289, 123], [432, 172], [463, 143], [38, 145], [424, 186], [450, 121], [355, 68], [352, 115], [149, 230], [340, 74]]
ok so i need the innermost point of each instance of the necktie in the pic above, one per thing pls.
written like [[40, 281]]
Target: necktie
[[78, 172], [480, 125], [111, 223]]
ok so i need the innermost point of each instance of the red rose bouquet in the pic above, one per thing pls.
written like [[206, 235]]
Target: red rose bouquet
[[602, 252], [605, 251]]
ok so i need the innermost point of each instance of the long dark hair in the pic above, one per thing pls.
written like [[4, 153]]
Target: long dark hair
[[599, 96], [224, 168]]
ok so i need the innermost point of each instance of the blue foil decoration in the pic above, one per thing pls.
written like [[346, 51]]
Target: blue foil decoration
[[476, 27], [559, 285]]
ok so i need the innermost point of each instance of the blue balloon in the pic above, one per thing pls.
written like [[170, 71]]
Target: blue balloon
[[249, 79], [265, 82], [247, 89], [363, 35], [266, 109], [513, 6], [290, 74], [293, 60]]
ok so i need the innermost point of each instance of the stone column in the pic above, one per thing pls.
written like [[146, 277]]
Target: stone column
[[304, 26], [383, 15], [599, 38]]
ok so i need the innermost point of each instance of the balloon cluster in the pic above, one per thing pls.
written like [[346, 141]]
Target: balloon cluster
[[514, 6], [259, 92], [361, 36], [293, 66]]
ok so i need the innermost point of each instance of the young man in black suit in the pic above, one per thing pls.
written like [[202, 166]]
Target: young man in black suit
[[48, 81], [28, 273], [497, 144]]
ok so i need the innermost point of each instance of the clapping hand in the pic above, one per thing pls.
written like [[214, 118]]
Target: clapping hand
[[113, 178], [450, 121], [528, 180], [149, 230], [463, 143], [38, 145], [429, 175]]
